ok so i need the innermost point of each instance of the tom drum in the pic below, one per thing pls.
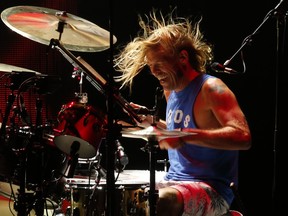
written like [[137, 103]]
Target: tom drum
[[81, 123]]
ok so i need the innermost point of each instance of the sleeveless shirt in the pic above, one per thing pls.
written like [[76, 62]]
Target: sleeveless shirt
[[216, 167]]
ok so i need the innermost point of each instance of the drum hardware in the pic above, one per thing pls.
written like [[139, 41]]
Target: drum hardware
[[165, 162], [82, 97], [81, 189], [93, 171], [9, 105], [25, 144], [96, 41], [121, 159], [112, 93], [78, 196], [36, 173]]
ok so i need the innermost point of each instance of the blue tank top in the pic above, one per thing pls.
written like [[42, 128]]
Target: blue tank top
[[216, 167]]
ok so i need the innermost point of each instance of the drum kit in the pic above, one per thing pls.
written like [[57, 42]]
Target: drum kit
[[39, 178]]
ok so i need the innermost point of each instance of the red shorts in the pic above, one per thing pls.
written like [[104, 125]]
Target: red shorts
[[199, 198]]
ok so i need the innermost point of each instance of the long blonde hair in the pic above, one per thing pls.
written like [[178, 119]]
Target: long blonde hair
[[172, 35]]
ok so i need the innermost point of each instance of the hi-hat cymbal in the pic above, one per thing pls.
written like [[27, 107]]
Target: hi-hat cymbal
[[41, 25], [11, 68], [154, 133]]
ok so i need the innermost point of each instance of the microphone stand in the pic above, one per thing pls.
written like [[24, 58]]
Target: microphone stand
[[280, 9], [280, 12]]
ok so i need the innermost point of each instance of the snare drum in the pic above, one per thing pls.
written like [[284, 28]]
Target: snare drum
[[130, 194], [77, 197], [84, 198]]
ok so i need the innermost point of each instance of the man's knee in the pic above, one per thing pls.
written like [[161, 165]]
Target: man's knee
[[170, 202]]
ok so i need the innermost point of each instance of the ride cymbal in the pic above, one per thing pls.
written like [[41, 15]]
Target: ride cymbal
[[11, 68], [42, 24]]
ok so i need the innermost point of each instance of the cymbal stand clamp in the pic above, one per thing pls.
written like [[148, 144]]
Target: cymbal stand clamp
[[62, 15]]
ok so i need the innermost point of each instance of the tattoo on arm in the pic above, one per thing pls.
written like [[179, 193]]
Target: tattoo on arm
[[218, 88]]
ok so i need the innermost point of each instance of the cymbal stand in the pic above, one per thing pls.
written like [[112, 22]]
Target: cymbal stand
[[20, 205], [152, 148], [23, 204], [153, 193], [10, 101], [28, 201]]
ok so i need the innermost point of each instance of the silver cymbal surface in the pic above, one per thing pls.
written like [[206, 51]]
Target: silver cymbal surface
[[11, 68], [152, 132], [41, 25]]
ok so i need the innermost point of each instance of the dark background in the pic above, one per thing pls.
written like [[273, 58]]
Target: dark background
[[261, 90]]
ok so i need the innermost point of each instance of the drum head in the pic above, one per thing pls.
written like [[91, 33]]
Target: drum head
[[131, 178], [65, 142]]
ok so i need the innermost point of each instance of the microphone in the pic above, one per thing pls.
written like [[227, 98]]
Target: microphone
[[73, 158], [121, 157], [219, 68], [23, 111], [282, 7]]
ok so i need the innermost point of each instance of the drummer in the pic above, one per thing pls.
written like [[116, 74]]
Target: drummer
[[204, 163]]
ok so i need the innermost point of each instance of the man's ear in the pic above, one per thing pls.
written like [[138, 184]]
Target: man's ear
[[183, 56]]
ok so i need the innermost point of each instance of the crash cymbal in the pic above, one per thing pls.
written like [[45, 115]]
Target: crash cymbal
[[41, 25], [153, 132], [11, 68], [65, 144]]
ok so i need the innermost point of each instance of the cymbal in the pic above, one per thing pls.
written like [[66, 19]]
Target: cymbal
[[154, 133], [11, 68], [65, 142], [41, 25]]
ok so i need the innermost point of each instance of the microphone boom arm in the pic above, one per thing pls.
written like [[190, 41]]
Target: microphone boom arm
[[280, 9]]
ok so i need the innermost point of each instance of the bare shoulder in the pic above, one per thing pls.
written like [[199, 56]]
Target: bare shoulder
[[215, 85], [214, 90]]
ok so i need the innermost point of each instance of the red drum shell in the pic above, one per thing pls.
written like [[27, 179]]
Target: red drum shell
[[82, 121]]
